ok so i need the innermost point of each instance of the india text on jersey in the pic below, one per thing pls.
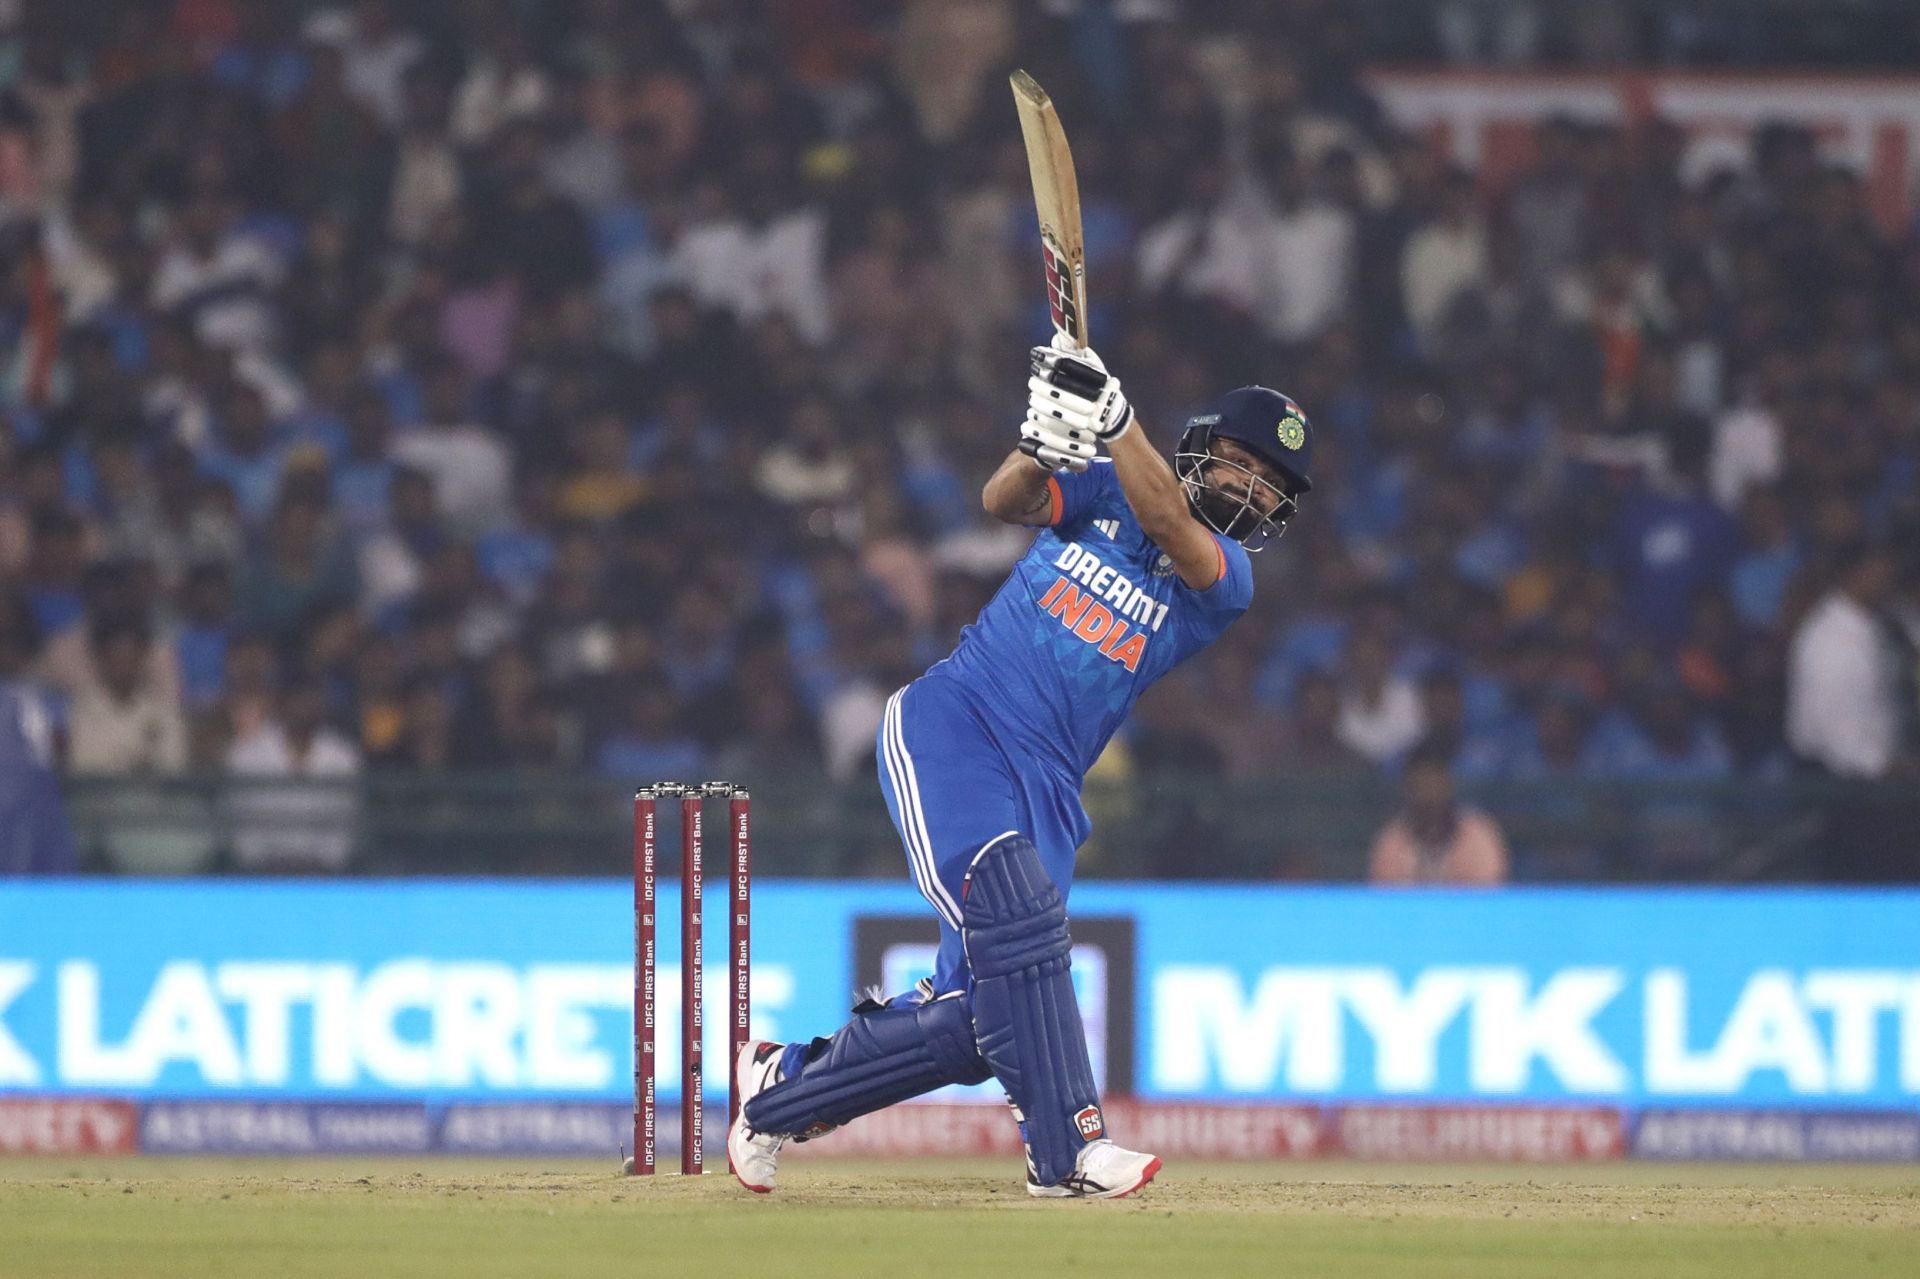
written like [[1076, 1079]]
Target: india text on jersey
[[1092, 621]]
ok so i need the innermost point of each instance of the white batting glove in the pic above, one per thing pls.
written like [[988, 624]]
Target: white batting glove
[[1054, 446], [1075, 390]]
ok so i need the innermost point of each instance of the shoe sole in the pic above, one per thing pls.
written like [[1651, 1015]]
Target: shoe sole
[[1054, 1192], [758, 1190], [1146, 1175], [740, 1064]]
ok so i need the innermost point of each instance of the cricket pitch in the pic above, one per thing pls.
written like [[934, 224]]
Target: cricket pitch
[[474, 1218]]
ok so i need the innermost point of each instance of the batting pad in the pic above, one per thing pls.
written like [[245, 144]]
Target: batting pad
[[1025, 1015], [886, 1054]]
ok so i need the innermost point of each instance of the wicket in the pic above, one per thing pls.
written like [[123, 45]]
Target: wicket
[[645, 959]]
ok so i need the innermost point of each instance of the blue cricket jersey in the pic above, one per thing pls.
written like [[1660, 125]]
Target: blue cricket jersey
[[1091, 615]]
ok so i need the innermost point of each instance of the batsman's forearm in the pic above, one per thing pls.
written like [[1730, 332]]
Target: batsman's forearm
[[1152, 489], [1017, 492], [1159, 502]]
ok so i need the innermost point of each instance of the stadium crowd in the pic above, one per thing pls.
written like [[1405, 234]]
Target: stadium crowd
[[607, 386]]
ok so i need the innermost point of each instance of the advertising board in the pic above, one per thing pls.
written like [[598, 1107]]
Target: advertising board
[[450, 992]]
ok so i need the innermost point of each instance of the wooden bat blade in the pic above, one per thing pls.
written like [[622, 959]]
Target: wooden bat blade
[[1056, 198]]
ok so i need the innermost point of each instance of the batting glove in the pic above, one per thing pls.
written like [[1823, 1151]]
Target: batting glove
[[1054, 446], [1075, 390]]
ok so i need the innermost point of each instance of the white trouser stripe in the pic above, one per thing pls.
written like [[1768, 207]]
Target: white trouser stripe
[[913, 821], [936, 891], [909, 830]]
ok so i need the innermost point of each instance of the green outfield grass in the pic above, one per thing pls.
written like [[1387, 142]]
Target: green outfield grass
[[474, 1219]]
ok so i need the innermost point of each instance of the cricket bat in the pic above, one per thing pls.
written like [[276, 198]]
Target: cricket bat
[[1056, 196]]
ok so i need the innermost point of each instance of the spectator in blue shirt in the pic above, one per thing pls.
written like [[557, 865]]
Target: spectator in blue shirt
[[264, 60], [205, 629], [363, 475], [1554, 743], [682, 430], [35, 709], [1671, 541], [297, 570], [321, 422], [517, 556], [54, 571], [1769, 558], [34, 836], [1659, 734], [1555, 822], [1314, 637], [1508, 430], [243, 453], [651, 743], [1474, 751]]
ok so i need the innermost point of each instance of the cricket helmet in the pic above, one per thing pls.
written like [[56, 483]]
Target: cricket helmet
[[1271, 427]]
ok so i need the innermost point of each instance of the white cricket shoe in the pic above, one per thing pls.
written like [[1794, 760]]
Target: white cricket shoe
[[755, 1156], [1103, 1171]]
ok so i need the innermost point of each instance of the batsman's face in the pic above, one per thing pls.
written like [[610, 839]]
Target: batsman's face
[[1240, 488]]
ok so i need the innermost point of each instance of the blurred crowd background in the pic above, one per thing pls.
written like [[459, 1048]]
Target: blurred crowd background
[[604, 389]]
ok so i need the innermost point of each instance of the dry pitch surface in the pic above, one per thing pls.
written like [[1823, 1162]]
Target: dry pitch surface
[[474, 1219]]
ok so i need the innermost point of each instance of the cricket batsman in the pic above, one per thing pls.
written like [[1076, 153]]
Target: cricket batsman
[[1138, 566]]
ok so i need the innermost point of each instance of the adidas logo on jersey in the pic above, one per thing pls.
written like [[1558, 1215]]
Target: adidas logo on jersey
[[1111, 528]]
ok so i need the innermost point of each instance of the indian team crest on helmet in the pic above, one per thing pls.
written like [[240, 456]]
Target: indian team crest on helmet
[[1292, 431]]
